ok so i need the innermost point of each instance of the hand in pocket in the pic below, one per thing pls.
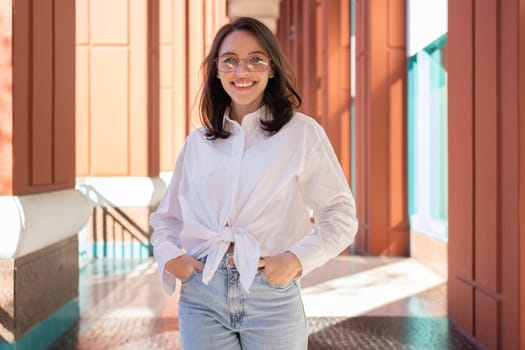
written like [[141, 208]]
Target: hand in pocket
[[183, 266]]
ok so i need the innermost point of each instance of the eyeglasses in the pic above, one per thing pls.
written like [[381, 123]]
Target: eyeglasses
[[254, 63]]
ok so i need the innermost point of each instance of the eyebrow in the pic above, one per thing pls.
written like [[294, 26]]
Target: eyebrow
[[249, 53]]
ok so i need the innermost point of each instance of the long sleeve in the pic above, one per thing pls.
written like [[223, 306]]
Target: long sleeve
[[167, 226], [325, 190]]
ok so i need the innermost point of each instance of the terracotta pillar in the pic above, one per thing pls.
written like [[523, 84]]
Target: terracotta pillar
[[521, 184], [380, 127], [334, 58], [40, 211], [486, 114], [308, 77]]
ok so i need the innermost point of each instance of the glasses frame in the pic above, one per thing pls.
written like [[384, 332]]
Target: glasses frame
[[216, 60]]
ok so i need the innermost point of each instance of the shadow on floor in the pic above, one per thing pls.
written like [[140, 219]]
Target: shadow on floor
[[384, 333]]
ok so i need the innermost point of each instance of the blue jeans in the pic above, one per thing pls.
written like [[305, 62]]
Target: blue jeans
[[221, 315]]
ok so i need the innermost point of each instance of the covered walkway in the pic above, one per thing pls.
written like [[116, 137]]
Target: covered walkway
[[102, 92]]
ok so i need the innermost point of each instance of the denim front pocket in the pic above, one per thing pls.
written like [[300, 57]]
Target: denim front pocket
[[190, 277], [270, 284]]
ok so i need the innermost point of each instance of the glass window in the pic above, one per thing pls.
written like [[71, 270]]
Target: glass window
[[427, 140]]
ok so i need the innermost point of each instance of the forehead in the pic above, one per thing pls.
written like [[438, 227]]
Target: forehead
[[241, 42]]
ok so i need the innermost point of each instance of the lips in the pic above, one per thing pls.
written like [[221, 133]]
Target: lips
[[243, 84]]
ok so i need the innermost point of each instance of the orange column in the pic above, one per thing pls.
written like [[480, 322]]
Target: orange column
[[460, 144], [308, 75], [381, 190], [521, 184], [361, 126], [335, 77], [37, 150], [484, 170], [40, 211]]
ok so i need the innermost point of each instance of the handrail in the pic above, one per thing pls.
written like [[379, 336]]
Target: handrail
[[117, 220]]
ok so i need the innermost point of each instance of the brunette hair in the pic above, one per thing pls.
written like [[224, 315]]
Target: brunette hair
[[280, 96]]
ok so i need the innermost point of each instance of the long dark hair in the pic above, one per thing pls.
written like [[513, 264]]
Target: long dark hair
[[280, 96]]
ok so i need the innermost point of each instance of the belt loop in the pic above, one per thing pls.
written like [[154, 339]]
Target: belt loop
[[228, 258]]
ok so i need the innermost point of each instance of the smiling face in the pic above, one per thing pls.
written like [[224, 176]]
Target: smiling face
[[245, 87]]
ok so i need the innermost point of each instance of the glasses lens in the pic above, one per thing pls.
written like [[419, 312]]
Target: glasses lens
[[254, 63], [257, 63], [227, 63]]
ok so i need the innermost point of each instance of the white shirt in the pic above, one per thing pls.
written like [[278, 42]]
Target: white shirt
[[257, 191]]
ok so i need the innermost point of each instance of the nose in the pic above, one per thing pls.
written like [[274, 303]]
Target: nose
[[242, 67]]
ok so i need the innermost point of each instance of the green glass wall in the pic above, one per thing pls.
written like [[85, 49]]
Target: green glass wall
[[427, 140]]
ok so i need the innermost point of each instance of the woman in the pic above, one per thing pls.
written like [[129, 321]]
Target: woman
[[234, 225]]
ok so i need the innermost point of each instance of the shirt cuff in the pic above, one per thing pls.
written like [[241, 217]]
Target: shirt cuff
[[169, 282], [310, 252], [165, 252]]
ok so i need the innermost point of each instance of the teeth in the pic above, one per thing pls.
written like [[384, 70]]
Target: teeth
[[243, 84]]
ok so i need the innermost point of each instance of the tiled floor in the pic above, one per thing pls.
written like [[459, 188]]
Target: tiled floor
[[351, 303]]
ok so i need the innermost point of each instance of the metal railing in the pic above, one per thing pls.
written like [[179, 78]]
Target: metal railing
[[114, 233]]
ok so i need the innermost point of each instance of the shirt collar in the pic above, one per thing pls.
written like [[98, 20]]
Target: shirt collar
[[249, 122]]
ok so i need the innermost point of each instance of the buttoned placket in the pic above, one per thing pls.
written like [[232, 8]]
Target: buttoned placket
[[233, 171], [235, 294]]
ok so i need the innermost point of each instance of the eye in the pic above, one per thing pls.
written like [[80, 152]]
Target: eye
[[229, 60], [257, 59]]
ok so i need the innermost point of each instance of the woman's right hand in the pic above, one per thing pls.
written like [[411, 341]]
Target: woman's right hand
[[182, 266]]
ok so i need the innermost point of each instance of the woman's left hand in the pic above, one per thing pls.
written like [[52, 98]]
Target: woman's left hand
[[280, 269]]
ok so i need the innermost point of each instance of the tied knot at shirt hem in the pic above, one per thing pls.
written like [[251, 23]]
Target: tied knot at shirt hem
[[246, 253]]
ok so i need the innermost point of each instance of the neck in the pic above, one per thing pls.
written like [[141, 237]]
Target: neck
[[239, 112]]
